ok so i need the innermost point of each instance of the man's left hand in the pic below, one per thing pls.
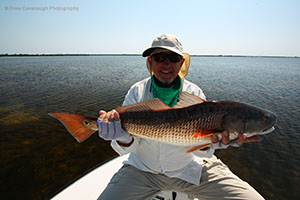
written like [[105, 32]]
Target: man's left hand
[[225, 141]]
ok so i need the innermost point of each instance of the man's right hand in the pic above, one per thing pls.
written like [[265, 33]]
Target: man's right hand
[[109, 116], [110, 127]]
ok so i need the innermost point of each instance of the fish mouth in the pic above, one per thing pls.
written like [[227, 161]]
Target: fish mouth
[[268, 130]]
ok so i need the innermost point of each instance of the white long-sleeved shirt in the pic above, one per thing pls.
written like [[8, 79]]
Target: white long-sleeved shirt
[[157, 157]]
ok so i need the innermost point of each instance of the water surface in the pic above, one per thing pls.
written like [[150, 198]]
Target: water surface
[[39, 157]]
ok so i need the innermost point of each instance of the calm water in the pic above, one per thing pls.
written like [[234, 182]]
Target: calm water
[[38, 156]]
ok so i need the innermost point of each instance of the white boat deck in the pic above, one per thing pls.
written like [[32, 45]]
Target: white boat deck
[[90, 186]]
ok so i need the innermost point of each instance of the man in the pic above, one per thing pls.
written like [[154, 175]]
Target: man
[[153, 166]]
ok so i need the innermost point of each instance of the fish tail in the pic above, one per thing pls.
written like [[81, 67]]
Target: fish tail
[[80, 126]]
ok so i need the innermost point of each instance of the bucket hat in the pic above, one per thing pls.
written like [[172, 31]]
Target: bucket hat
[[165, 41], [171, 43]]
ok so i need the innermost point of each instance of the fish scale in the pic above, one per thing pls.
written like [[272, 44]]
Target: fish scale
[[177, 127]]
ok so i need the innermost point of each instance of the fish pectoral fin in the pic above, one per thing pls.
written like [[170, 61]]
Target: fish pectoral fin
[[187, 99], [203, 133], [202, 146], [150, 105]]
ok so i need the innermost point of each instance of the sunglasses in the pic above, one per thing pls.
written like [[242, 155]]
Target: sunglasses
[[161, 57]]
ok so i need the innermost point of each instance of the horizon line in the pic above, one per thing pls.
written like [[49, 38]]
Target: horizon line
[[132, 54]]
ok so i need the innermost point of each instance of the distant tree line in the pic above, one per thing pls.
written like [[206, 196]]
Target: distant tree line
[[22, 54]]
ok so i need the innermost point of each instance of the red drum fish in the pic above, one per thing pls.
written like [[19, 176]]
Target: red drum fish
[[190, 123]]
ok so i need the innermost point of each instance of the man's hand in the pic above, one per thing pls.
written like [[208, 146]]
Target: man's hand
[[109, 116], [243, 138], [225, 142], [110, 127]]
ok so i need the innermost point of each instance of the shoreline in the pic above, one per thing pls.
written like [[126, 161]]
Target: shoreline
[[192, 55]]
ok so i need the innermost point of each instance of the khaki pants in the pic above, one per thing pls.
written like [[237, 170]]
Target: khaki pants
[[217, 182]]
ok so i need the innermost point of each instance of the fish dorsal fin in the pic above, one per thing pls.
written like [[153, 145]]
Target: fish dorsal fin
[[188, 99], [185, 99], [150, 105]]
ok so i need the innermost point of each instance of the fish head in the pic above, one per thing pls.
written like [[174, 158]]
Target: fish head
[[252, 120], [259, 122]]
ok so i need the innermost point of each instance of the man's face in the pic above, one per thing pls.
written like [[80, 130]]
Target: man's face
[[166, 65]]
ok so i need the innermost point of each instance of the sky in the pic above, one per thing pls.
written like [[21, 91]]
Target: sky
[[204, 27]]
